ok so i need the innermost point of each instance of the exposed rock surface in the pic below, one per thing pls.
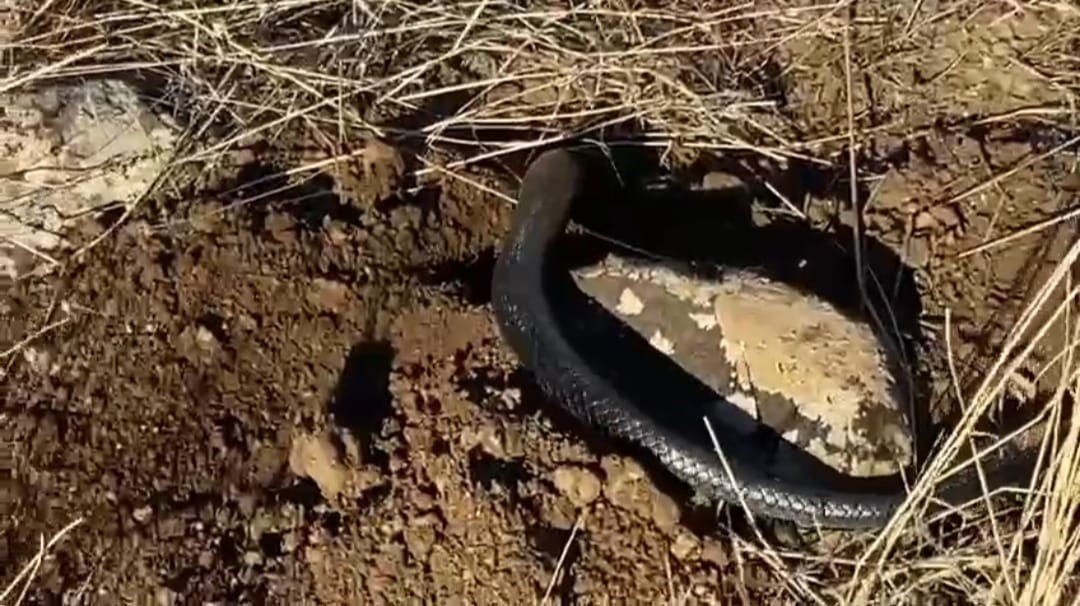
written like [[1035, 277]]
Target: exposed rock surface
[[69, 152]]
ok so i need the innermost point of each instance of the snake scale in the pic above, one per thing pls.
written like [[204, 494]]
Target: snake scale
[[529, 323]]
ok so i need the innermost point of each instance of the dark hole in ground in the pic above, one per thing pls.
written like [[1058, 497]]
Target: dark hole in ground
[[440, 446], [304, 492], [489, 472], [716, 227], [231, 431], [216, 324], [362, 400], [484, 384], [372, 497], [430, 405], [331, 522], [109, 217], [469, 278], [271, 544], [229, 549], [260, 189], [179, 582]]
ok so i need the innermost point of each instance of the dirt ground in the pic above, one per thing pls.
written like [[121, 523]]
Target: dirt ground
[[304, 399], [340, 423]]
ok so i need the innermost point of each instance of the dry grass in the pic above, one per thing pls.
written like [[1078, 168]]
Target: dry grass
[[16, 591], [473, 83]]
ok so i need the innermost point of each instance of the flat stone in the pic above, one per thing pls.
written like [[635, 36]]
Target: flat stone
[[790, 360], [71, 150]]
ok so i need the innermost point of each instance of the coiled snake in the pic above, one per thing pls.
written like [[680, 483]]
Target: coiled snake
[[529, 323]]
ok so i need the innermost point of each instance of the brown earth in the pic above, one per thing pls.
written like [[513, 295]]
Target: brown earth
[[304, 399], [256, 406]]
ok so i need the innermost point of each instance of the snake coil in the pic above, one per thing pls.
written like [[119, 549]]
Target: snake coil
[[527, 322]]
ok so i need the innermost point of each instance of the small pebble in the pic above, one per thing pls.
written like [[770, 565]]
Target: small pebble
[[629, 303], [579, 485], [164, 596], [918, 252], [313, 555], [665, 511], [683, 546], [719, 180], [662, 343], [924, 221], [949, 216], [142, 514], [713, 551], [204, 337], [289, 542]]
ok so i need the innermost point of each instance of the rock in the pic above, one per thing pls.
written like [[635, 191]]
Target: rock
[[204, 338], [164, 596], [557, 511], [684, 545], [719, 181], [623, 485], [329, 295], [949, 216], [316, 458], [918, 252], [789, 360], [421, 535], [627, 487], [70, 149], [579, 485], [197, 343], [924, 221], [824, 381], [713, 551], [289, 542], [39, 359], [142, 514], [665, 511]]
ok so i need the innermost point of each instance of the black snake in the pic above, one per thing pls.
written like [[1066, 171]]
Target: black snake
[[530, 325]]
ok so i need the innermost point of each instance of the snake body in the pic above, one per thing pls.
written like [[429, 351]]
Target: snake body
[[531, 326]]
